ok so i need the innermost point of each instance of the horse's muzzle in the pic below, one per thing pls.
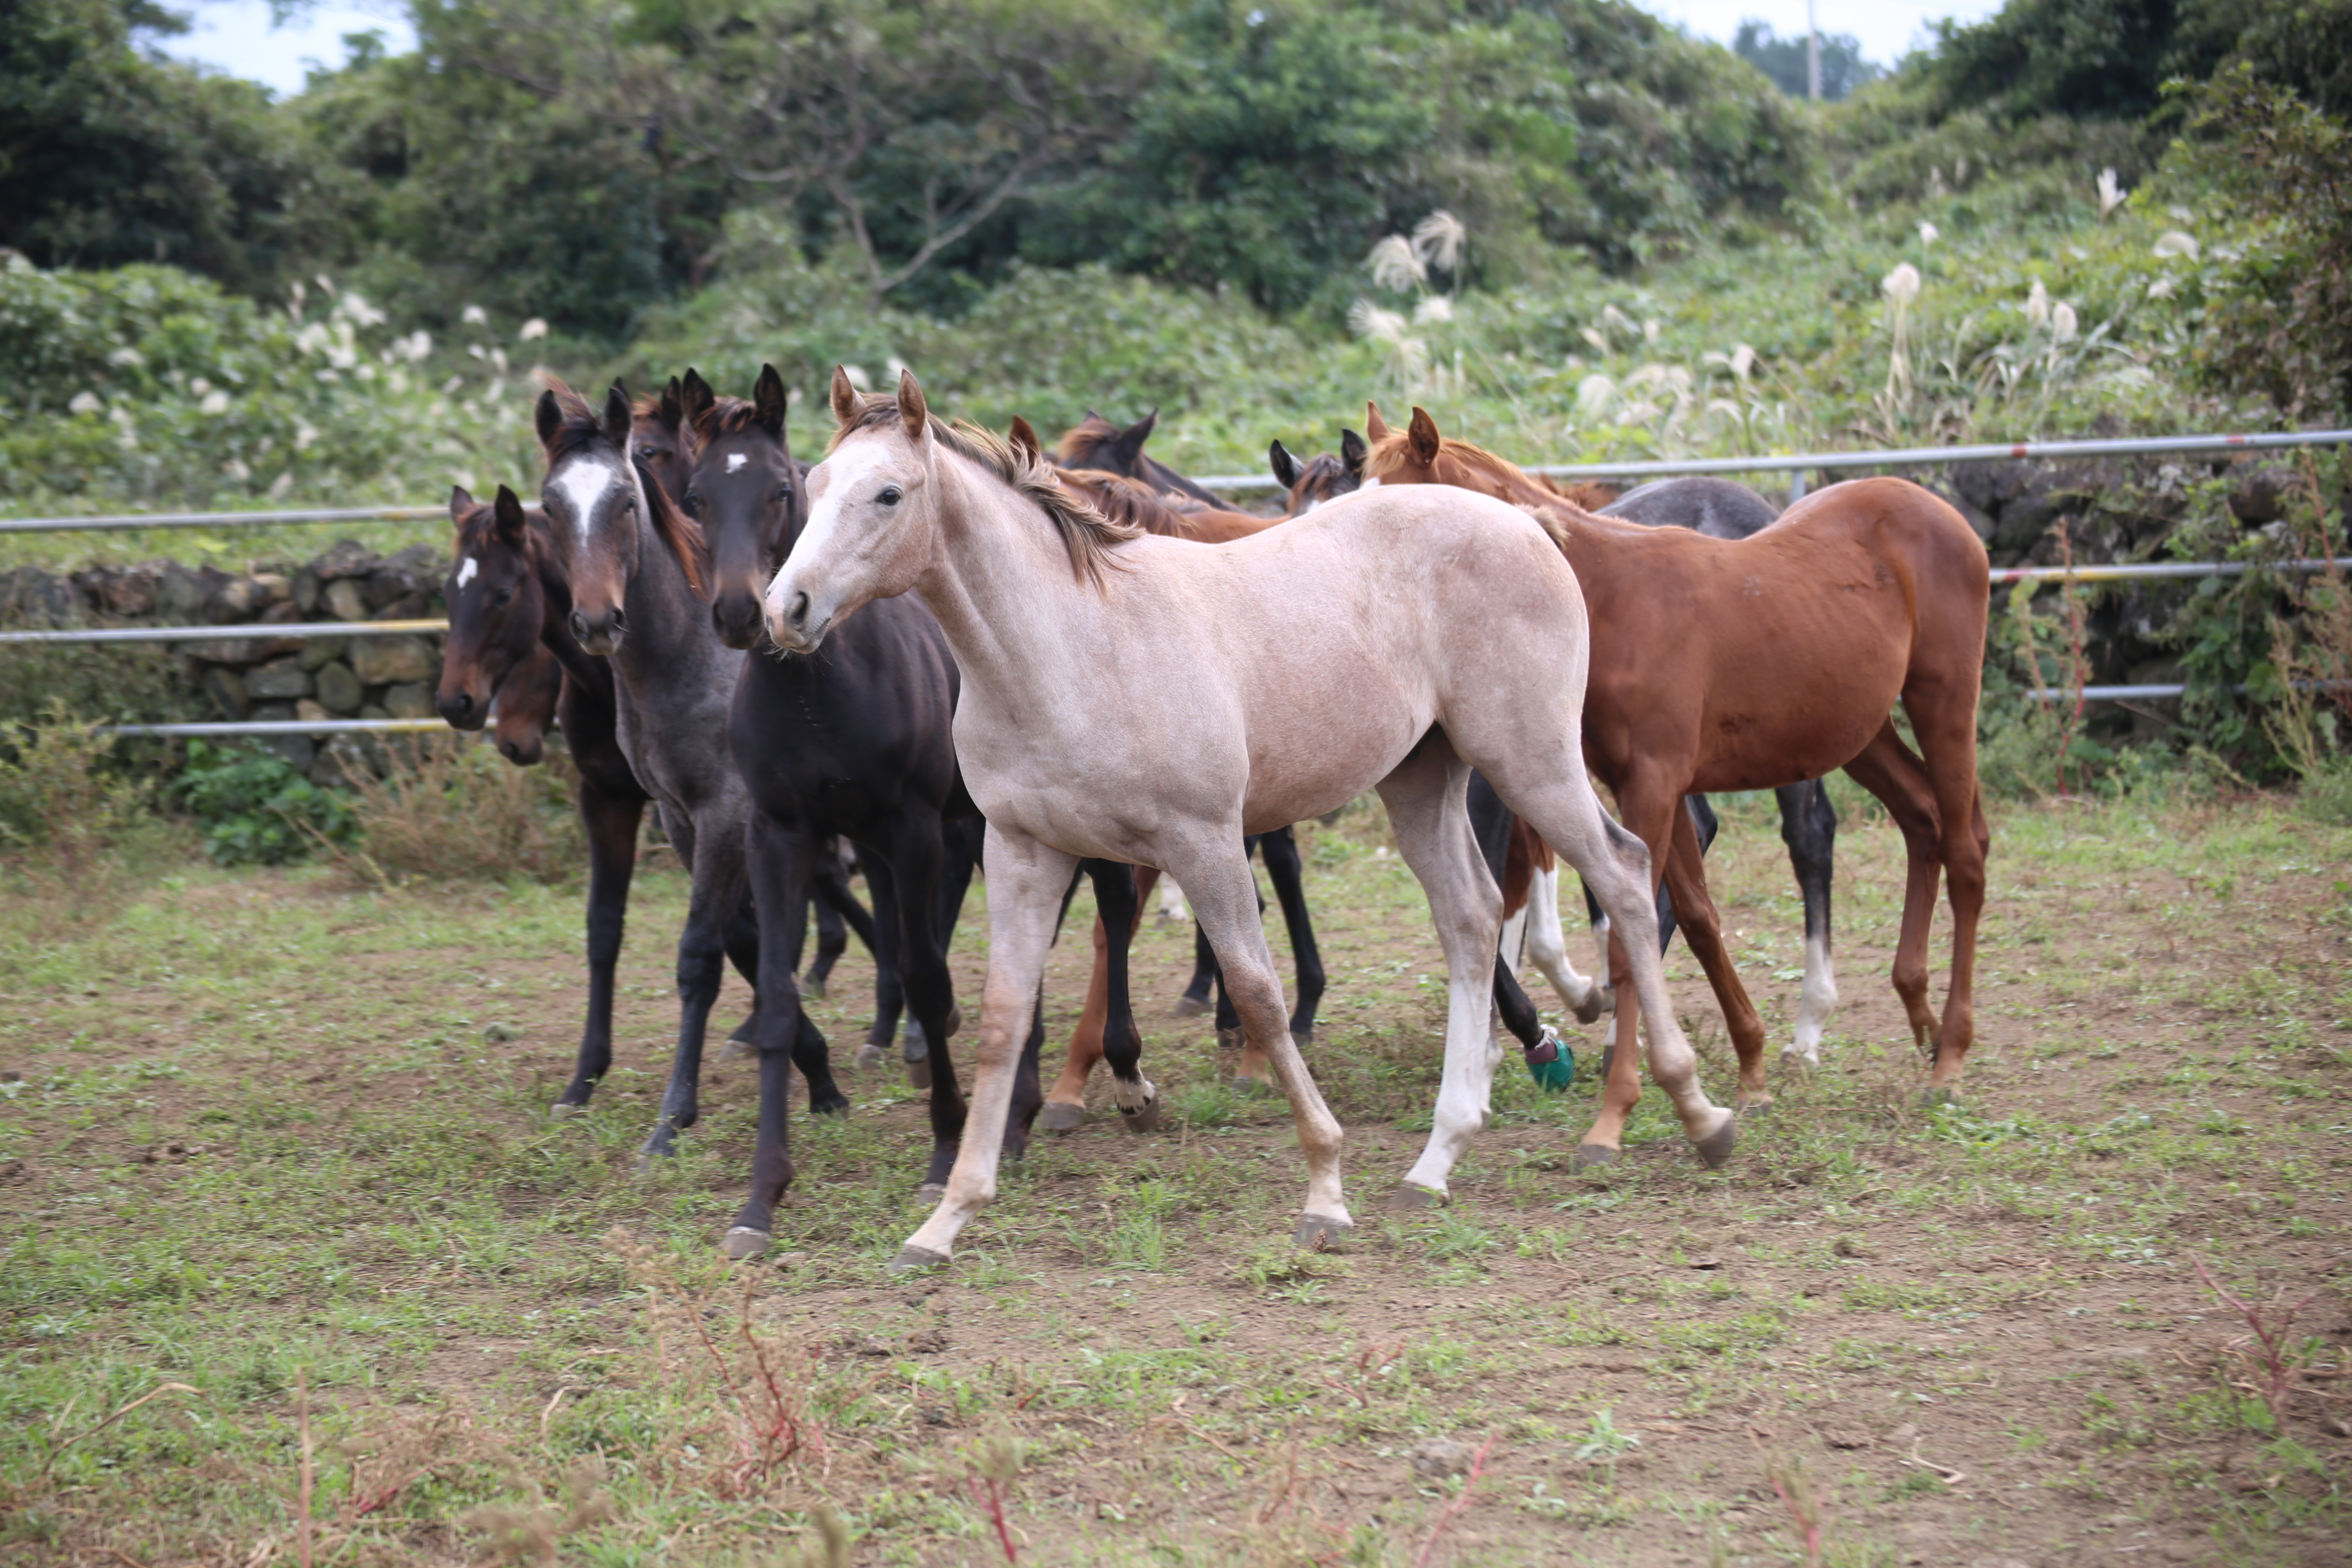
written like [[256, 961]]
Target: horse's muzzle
[[600, 635], [736, 615], [789, 627], [459, 708]]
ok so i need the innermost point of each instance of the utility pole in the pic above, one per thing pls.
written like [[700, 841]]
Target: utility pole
[[1812, 54]]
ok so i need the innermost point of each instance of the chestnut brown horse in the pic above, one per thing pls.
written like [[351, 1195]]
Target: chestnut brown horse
[[1747, 664]]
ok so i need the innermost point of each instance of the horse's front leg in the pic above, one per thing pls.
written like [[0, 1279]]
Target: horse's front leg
[[1118, 894], [701, 961], [1225, 898], [779, 860], [1066, 1103], [611, 821], [1287, 871], [1025, 880]]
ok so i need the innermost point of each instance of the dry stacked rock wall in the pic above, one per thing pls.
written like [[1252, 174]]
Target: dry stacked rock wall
[[251, 672]]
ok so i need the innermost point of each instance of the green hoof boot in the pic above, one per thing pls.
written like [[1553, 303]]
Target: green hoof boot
[[1549, 1062]]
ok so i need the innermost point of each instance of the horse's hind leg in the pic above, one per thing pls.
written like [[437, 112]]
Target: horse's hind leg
[[1809, 826], [1025, 883], [1118, 894], [1426, 808], [1943, 717], [1887, 769], [1547, 949], [1065, 1103], [1288, 874], [1615, 866], [904, 872], [1225, 898], [1195, 1000]]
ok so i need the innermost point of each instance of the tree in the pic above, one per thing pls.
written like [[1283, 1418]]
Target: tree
[[110, 155]]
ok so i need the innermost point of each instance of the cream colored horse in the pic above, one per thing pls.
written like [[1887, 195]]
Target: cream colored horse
[[1393, 639]]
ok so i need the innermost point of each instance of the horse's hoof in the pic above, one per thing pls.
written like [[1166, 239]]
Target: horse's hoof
[[1143, 1120], [837, 1106], [955, 1019], [563, 1107], [1321, 1232], [740, 1050], [1591, 1155], [1060, 1117], [1252, 1086], [869, 1055], [918, 1073], [1232, 1039], [930, 1192], [1304, 1037], [742, 1242], [1716, 1147], [913, 1259], [1410, 1199], [1796, 1061], [1188, 1007], [1760, 1105], [811, 988], [1932, 1098]]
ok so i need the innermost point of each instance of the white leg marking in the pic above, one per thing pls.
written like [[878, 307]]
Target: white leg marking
[[1814, 1002], [1548, 945]]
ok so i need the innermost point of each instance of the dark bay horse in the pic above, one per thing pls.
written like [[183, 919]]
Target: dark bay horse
[[1095, 444], [1746, 664], [627, 559], [857, 742], [510, 636]]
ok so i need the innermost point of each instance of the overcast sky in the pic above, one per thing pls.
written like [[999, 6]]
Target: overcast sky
[[236, 35]]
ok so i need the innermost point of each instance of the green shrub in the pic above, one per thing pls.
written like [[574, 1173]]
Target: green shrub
[[73, 826], [256, 809]]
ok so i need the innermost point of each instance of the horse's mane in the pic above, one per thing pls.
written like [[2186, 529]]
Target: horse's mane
[[1387, 457], [1593, 495], [1087, 534], [1132, 503], [580, 426], [1089, 432]]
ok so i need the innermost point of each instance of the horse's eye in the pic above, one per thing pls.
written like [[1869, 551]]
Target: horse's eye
[[694, 503], [784, 493], [502, 596], [629, 505], [889, 495]]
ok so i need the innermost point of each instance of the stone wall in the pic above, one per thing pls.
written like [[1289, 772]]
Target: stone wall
[[249, 672]]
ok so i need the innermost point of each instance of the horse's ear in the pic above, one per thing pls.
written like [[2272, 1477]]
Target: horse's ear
[[618, 418], [1024, 439], [1352, 453], [696, 399], [1130, 444], [461, 501], [507, 509], [768, 401], [1285, 466], [673, 405], [679, 533], [1375, 427], [847, 405], [913, 412], [549, 417], [1423, 434]]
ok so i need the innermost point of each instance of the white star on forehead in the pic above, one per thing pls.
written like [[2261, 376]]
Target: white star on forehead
[[736, 460], [468, 571]]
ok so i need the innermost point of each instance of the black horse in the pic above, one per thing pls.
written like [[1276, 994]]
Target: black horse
[[855, 741]]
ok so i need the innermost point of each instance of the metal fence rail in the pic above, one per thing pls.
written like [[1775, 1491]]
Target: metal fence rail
[[222, 519], [243, 631], [280, 727], [1896, 457]]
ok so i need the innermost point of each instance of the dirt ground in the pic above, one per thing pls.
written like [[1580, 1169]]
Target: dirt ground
[[284, 1144]]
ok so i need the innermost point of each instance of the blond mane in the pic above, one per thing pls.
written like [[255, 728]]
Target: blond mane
[[1087, 534]]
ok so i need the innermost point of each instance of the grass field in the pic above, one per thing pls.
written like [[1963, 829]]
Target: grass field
[[274, 1160]]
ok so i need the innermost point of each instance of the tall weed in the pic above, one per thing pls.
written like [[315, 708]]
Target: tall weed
[[74, 830], [451, 810]]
